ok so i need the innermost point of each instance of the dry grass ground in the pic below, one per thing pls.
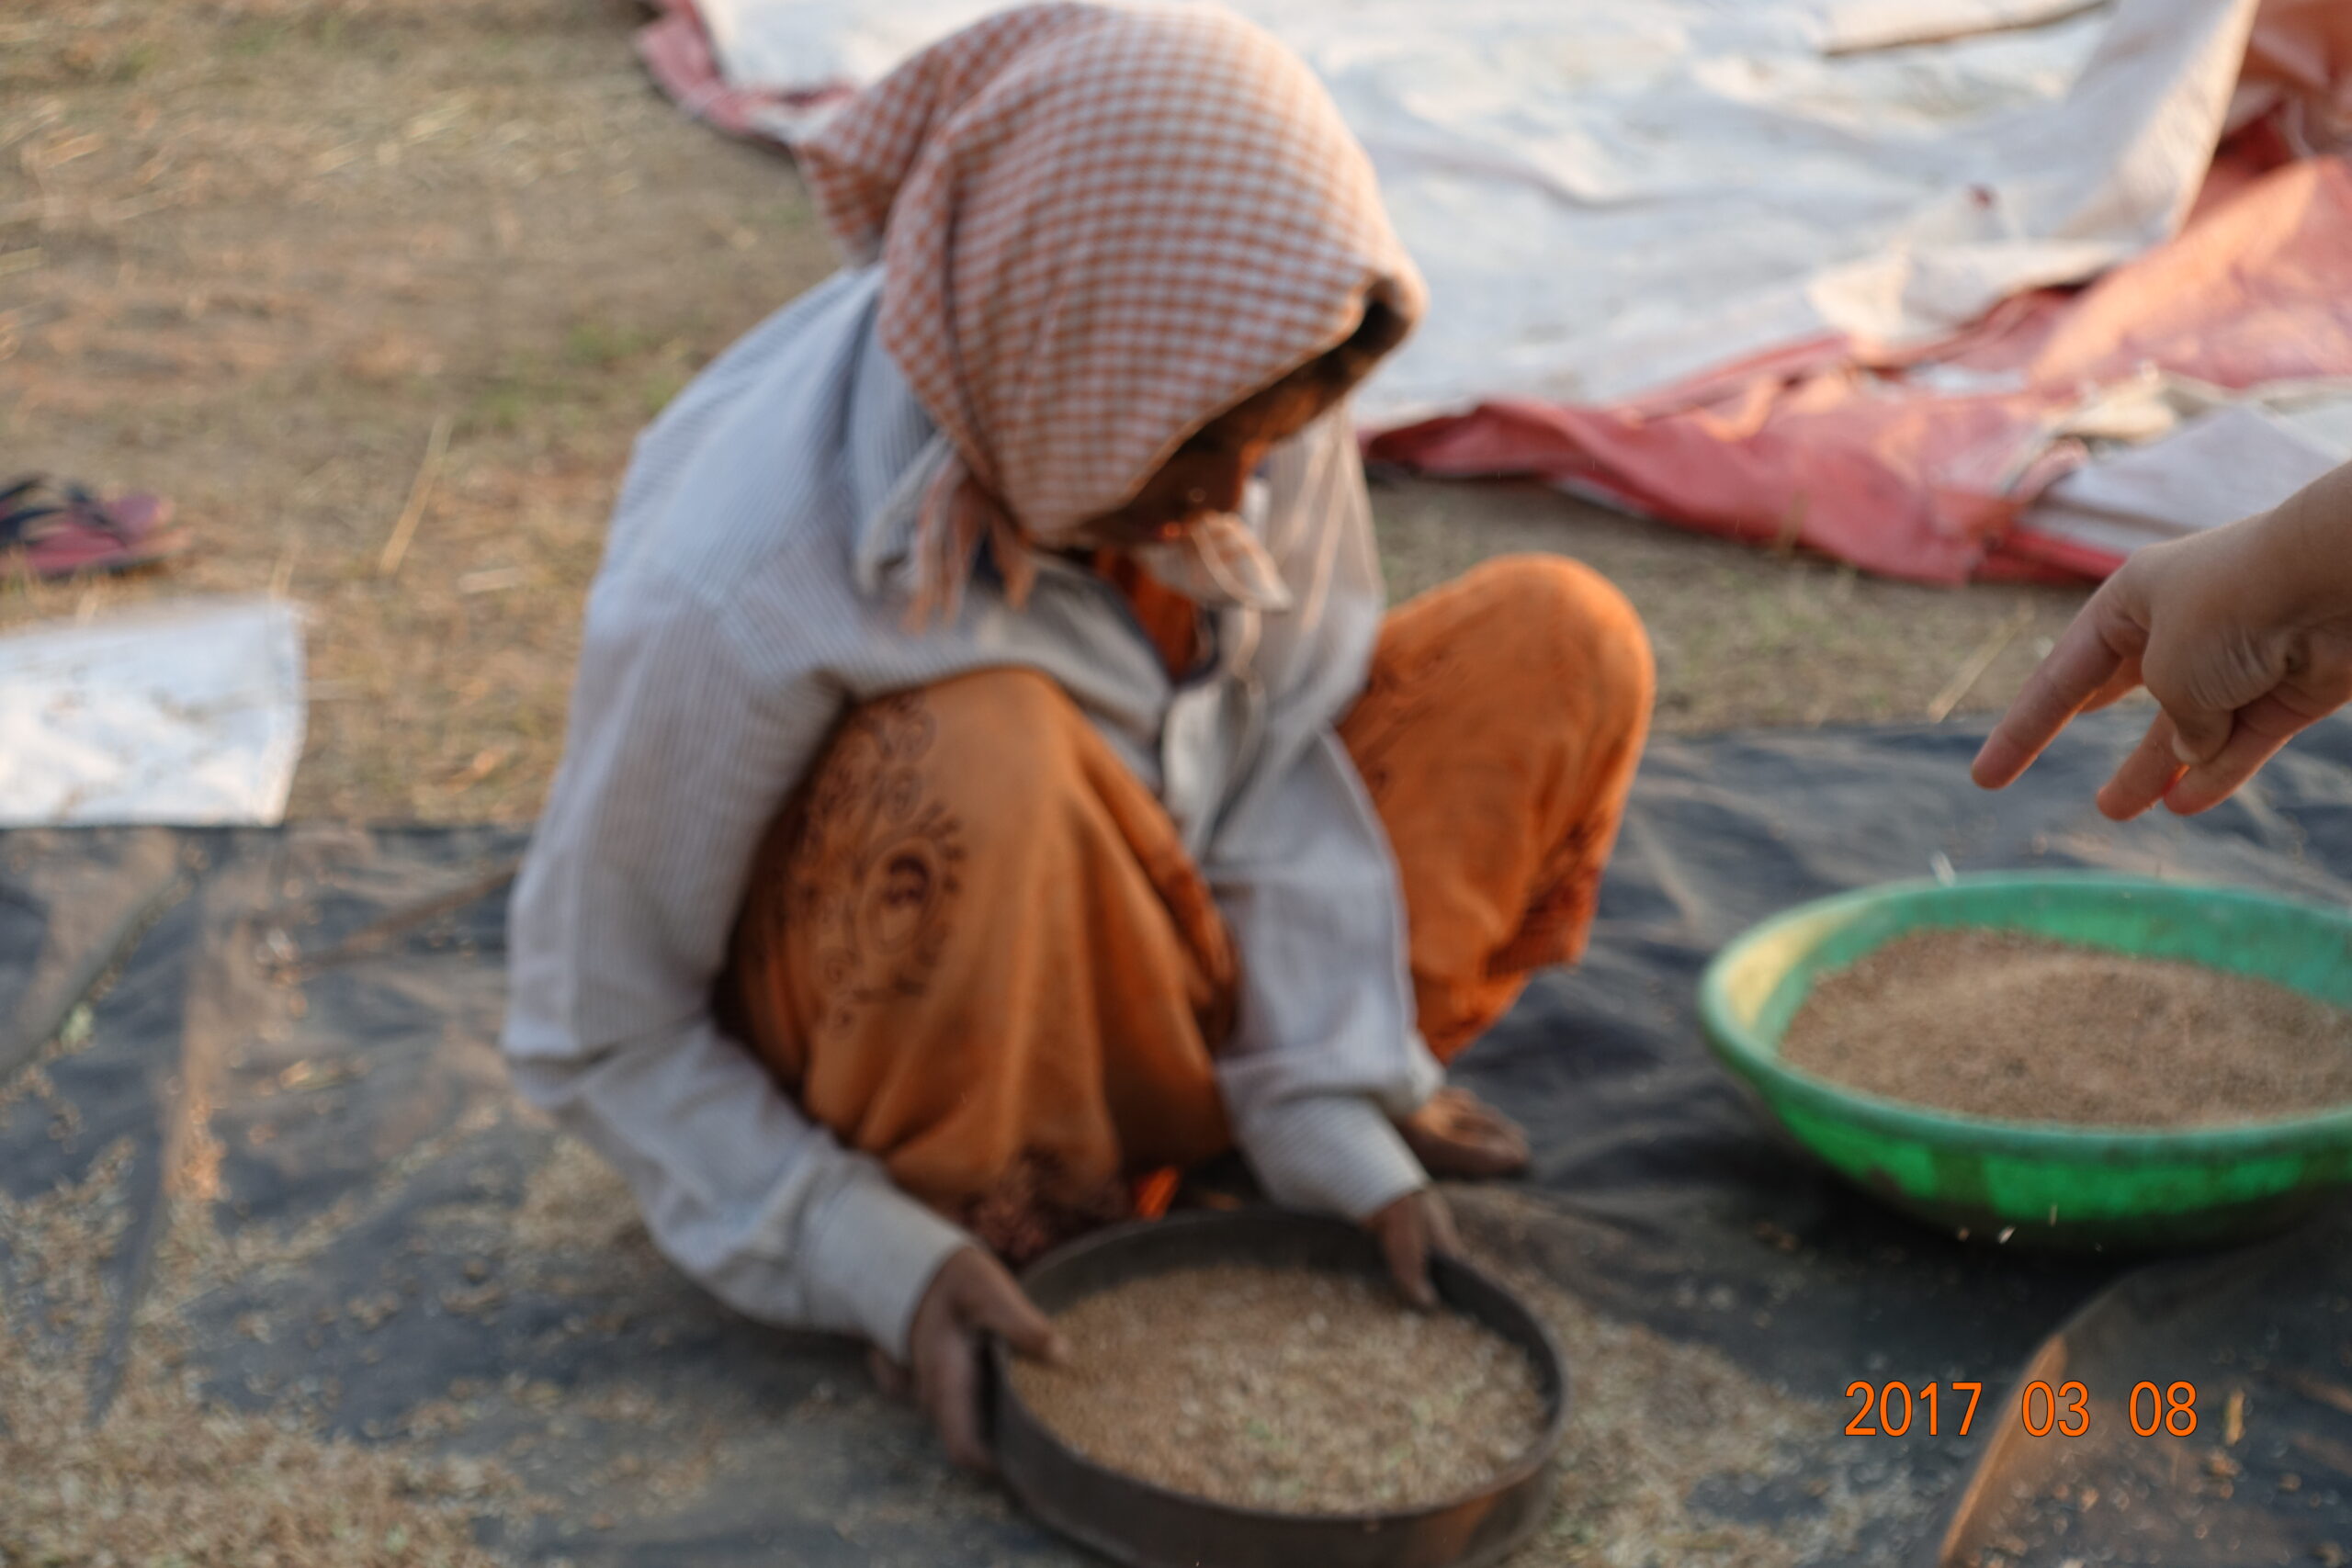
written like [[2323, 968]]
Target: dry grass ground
[[252, 251]]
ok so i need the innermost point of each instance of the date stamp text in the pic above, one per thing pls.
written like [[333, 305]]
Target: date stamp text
[[1950, 1409]]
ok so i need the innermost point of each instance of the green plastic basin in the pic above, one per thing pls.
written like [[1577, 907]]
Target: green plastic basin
[[2040, 1183]]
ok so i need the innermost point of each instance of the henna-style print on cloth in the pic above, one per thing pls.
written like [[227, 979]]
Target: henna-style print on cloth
[[963, 959], [873, 877]]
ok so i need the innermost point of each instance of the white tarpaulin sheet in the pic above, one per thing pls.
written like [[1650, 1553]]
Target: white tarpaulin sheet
[[188, 715], [1610, 196], [2202, 465]]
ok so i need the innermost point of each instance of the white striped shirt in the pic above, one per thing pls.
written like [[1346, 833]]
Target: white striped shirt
[[753, 587]]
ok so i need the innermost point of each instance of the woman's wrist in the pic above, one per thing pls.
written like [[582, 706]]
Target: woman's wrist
[[2299, 564], [869, 1257], [1335, 1153]]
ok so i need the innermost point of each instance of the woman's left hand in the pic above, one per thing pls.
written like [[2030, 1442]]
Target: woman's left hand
[[1409, 1230]]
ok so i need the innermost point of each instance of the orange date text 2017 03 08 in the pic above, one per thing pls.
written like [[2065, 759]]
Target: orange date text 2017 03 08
[[1948, 1409]]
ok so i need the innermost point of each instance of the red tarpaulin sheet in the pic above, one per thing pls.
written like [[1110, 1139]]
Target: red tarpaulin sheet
[[1858, 463]]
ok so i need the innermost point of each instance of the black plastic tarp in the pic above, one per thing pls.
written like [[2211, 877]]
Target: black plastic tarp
[[292, 1033]]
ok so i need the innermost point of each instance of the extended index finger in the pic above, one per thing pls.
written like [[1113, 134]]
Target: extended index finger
[[2078, 670]]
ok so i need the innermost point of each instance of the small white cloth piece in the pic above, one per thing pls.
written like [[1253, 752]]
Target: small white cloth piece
[[190, 715]]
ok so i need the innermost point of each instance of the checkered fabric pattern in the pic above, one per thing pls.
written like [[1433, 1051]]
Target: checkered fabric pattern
[[1099, 227]]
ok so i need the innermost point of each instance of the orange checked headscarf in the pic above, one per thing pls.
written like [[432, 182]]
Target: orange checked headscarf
[[1098, 229]]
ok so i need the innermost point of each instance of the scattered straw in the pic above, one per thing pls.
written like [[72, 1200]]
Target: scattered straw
[[437, 446], [1964, 678]]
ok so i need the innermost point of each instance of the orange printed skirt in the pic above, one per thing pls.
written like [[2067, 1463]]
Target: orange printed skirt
[[993, 965]]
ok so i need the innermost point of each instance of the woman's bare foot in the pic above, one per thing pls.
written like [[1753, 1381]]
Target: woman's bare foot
[[1458, 1135]]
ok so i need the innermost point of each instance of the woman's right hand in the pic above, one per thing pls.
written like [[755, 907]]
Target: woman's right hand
[[971, 1295]]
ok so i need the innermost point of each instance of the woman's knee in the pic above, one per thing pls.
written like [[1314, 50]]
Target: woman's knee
[[1593, 631]]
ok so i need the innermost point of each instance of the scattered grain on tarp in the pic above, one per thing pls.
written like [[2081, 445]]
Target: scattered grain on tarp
[[165, 1476]]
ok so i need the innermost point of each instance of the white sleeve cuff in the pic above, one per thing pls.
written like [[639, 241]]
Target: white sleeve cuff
[[1335, 1153], [871, 1253]]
